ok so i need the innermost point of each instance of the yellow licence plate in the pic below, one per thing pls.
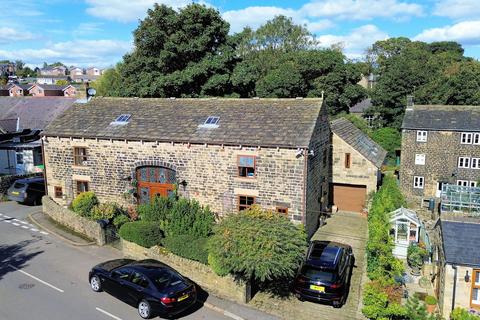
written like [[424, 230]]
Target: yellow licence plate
[[317, 288], [15, 193], [183, 297]]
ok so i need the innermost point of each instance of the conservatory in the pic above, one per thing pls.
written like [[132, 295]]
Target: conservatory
[[460, 199], [405, 229]]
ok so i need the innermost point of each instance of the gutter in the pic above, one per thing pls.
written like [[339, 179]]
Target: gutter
[[44, 168], [454, 267], [304, 193]]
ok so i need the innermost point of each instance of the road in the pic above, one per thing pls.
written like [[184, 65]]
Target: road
[[43, 278]]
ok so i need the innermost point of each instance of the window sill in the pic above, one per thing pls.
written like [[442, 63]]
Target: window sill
[[245, 179], [79, 167]]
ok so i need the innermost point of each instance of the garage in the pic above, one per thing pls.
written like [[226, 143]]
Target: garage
[[349, 197]]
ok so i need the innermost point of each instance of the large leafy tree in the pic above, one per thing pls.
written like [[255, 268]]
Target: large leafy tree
[[109, 84], [185, 53], [257, 244]]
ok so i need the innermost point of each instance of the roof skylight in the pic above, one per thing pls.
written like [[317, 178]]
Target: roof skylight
[[122, 119], [212, 120]]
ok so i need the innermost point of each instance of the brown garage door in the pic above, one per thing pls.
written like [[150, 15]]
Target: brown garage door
[[349, 197]]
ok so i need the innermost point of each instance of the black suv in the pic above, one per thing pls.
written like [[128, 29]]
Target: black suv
[[325, 274], [29, 191]]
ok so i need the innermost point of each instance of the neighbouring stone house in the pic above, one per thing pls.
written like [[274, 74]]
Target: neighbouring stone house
[[226, 153], [21, 121], [45, 90], [457, 280], [440, 145], [356, 164]]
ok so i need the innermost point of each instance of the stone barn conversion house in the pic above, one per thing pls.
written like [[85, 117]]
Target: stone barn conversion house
[[356, 164], [226, 153], [440, 145]]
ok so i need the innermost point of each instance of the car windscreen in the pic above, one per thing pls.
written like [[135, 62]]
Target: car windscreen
[[19, 185], [318, 274], [165, 279]]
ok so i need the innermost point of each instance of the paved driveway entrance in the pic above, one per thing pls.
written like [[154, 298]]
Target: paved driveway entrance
[[345, 227]]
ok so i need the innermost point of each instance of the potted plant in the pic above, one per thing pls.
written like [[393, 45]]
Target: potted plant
[[415, 258], [431, 303]]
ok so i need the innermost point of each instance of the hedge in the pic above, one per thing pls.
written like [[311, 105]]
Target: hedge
[[84, 203], [188, 246], [144, 233]]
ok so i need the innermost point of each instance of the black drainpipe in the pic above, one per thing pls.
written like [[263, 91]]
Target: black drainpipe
[[454, 267]]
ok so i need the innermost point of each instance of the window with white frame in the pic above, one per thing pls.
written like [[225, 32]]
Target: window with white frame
[[462, 183], [473, 184], [418, 182], [420, 158], [466, 138], [475, 163], [463, 162], [476, 138], [421, 136]]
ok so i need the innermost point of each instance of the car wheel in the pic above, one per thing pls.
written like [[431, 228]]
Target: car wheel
[[144, 309], [337, 304], [95, 284]]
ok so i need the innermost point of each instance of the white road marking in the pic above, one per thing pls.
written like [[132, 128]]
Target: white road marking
[[34, 230], [1, 214], [24, 222], [25, 227], [7, 216], [39, 280], [7, 221], [43, 232], [15, 224], [16, 220], [107, 313]]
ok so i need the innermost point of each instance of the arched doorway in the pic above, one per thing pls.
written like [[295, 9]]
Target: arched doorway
[[155, 181]]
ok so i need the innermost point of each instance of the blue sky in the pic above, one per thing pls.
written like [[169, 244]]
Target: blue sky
[[99, 32]]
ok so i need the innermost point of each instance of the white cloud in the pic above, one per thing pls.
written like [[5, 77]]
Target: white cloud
[[355, 43], [255, 16], [361, 9], [100, 53], [9, 35], [127, 10], [466, 32], [89, 28], [457, 9]]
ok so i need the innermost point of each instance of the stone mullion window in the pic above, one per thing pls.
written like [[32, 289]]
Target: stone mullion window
[[464, 162], [418, 182], [421, 136], [466, 138]]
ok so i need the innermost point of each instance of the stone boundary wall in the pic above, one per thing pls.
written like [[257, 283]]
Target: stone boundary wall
[[203, 275], [6, 181], [68, 218]]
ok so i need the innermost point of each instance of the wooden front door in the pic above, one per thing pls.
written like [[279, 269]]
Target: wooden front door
[[155, 181]]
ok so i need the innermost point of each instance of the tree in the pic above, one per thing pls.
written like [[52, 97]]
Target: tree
[[179, 54], [389, 138], [109, 84], [61, 82], [257, 244]]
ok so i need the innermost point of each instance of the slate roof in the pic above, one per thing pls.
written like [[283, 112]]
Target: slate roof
[[460, 242], [8, 125], [368, 148], [361, 106], [253, 122], [34, 112], [53, 87], [442, 118]]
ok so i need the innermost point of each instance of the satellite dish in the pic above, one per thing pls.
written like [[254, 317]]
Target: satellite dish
[[91, 92]]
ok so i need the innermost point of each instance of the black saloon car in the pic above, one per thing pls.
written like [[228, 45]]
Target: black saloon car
[[151, 286], [325, 274], [29, 191]]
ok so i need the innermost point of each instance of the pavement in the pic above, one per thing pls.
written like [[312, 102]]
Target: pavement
[[344, 227], [44, 270]]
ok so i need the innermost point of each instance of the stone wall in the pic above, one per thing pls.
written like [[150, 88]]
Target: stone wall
[[361, 171], [441, 150], [211, 172], [68, 218], [463, 290], [6, 181], [203, 275]]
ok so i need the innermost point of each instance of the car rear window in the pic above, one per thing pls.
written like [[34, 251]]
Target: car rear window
[[318, 274], [19, 185], [165, 278]]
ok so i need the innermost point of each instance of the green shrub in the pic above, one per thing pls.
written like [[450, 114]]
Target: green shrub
[[258, 243], [462, 314], [430, 300], [217, 267], [84, 203], [144, 233], [376, 304], [120, 220], [188, 246], [416, 255], [104, 211], [156, 210], [189, 217]]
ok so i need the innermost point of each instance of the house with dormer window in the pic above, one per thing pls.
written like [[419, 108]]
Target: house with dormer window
[[226, 153]]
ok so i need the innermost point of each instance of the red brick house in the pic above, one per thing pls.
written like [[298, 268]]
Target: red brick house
[[45, 90]]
